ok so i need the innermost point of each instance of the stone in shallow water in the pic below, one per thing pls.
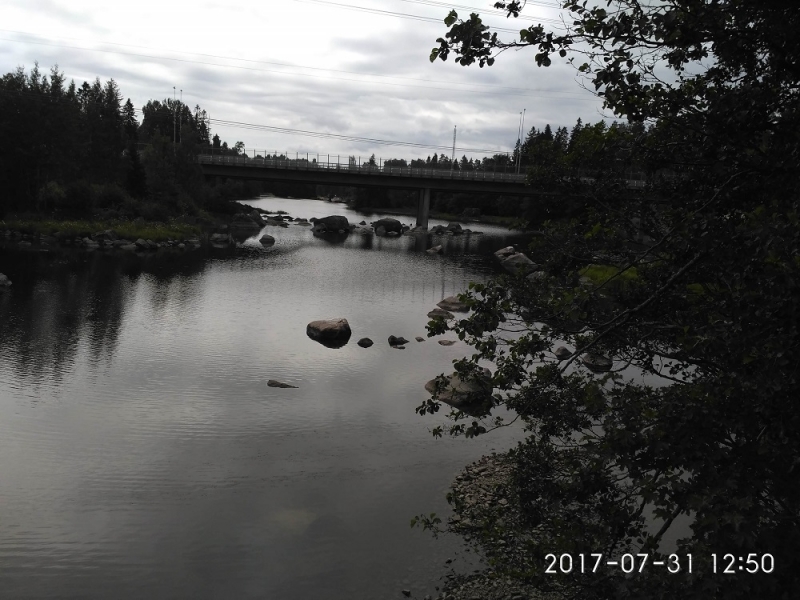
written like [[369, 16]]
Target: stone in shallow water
[[267, 240], [397, 341], [471, 395], [446, 342], [333, 333], [440, 313], [596, 362], [562, 353], [453, 303], [365, 342], [279, 384]]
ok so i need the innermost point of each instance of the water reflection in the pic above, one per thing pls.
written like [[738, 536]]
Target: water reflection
[[142, 453]]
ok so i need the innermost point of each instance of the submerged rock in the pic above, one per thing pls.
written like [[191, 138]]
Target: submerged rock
[[397, 341], [454, 304], [365, 342], [562, 353], [446, 342], [472, 395], [333, 333], [597, 362], [279, 384], [440, 313]]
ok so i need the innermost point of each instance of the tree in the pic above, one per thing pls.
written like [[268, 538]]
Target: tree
[[691, 283]]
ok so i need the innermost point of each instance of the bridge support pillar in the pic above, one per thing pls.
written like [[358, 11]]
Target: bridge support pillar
[[423, 207]]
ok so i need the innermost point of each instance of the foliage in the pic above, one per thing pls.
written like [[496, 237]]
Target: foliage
[[711, 432], [130, 230]]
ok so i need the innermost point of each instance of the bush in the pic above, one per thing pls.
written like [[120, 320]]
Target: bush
[[109, 195], [51, 195]]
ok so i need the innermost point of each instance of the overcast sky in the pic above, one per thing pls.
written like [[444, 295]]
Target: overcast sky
[[313, 65]]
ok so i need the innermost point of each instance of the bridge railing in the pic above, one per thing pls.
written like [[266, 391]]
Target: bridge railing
[[363, 169]]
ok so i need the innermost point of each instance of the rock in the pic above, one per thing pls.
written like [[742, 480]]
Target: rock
[[434, 249], [216, 238], [562, 353], [446, 342], [388, 225], [419, 338], [397, 341], [181, 246], [365, 342], [129, 247], [454, 228], [505, 252], [440, 313], [362, 230], [362, 222], [399, 347], [333, 333], [406, 592], [140, 243], [454, 304], [471, 395], [4, 281], [267, 240], [242, 221], [536, 276], [519, 263], [597, 362], [331, 224], [438, 229], [380, 231], [279, 384]]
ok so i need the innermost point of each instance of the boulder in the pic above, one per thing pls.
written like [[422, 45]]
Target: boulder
[[446, 342], [471, 395], [243, 221], [143, 245], [332, 224], [438, 229], [455, 228], [279, 384], [4, 281], [519, 263], [388, 225], [505, 252], [597, 362], [397, 341], [434, 249], [562, 353], [454, 304], [365, 342], [216, 238], [419, 338], [440, 313], [333, 333], [267, 240]]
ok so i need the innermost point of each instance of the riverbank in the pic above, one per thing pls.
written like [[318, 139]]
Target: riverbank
[[510, 222]]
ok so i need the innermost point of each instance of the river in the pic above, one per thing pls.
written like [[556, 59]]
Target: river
[[142, 453]]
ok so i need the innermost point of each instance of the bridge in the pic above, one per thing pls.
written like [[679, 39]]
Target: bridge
[[366, 175]]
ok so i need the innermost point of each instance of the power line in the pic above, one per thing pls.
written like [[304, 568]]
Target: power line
[[493, 91], [347, 138]]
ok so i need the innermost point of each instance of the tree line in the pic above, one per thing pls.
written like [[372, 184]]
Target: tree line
[[75, 150]]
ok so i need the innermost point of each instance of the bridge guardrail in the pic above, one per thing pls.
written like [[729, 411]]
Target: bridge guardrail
[[391, 171], [367, 169]]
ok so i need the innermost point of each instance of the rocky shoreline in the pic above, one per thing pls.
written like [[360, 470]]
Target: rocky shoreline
[[487, 516]]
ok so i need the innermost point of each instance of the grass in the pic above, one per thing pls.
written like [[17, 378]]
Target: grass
[[132, 230]]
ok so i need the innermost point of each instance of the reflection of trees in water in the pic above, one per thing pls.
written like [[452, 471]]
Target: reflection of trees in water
[[61, 300]]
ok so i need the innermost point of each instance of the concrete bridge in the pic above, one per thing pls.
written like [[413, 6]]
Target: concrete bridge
[[366, 175]]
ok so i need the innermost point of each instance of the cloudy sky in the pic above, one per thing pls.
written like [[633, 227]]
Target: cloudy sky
[[347, 67]]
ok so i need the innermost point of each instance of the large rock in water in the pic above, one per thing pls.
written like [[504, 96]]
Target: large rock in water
[[519, 263], [388, 225], [454, 304], [597, 362], [267, 240], [4, 281], [471, 395], [333, 333], [332, 224]]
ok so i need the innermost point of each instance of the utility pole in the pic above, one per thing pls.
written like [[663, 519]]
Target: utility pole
[[522, 132], [179, 128], [174, 116], [453, 157]]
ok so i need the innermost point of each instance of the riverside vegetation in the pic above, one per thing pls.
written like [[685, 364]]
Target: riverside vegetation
[[703, 267]]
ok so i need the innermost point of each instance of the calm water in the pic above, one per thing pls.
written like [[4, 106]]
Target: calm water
[[143, 455]]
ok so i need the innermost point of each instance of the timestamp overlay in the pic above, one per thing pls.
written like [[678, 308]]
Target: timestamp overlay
[[717, 563]]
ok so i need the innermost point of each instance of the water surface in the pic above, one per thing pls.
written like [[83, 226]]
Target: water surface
[[142, 453]]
